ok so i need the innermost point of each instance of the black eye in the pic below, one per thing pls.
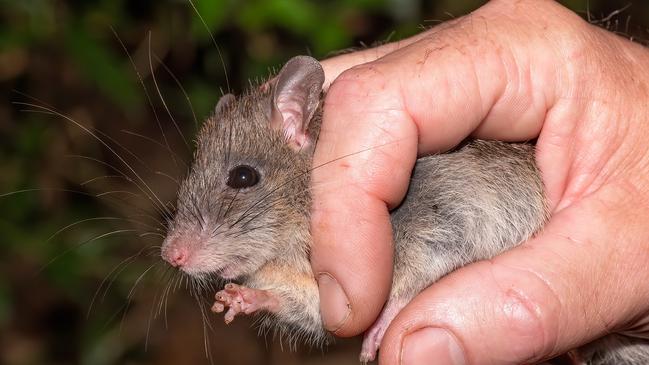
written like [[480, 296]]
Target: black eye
[[243, 176]]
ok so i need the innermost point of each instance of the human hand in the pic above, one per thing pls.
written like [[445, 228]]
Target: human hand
[[511, 71]]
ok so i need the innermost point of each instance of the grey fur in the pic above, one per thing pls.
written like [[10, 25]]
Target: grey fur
[[462, 206]]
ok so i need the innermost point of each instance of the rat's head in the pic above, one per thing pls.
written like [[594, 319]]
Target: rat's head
[[245, 201]]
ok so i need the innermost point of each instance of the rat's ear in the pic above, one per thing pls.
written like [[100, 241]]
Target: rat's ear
[[296, 96], [223, 103]]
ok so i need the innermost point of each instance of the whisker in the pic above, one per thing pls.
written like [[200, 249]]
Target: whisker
[[146, 234], [194, 213], [124, 262], [125, 149], [218, 214], [197, 211], [236, 194], [180, 86], [229, 150], [108, 234], [265, 209], [143, 214], [146, 91], [99, 195], [173, 290], [149, 139], [31, 190], [123, 308], [168, 177], [152, 311], [205, 332], [131, 293], [164, 103], [83, 221], [171, 275], [226, 211], [104, 177], [218, 49], [165, 297], [46, 110], [248, 230], [149, 320], [83, 193], [143, 224], [104, 163], [107, 289]]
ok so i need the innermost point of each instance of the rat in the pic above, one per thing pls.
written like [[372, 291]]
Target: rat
[[243, 213]]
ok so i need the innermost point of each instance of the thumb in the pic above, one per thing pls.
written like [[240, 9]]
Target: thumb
[[533, 303]]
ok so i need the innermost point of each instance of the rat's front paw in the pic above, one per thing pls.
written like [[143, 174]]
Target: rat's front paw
[[239, 299]]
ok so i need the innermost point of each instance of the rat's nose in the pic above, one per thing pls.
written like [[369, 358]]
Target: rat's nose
[[177, 256]]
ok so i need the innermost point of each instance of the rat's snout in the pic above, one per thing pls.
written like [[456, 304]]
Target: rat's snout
[[176, 252], [176, 256]]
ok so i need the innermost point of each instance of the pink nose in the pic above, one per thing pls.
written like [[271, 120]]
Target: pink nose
[[177, 256]]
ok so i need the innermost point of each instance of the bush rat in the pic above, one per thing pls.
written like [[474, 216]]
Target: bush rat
[[243, 212]]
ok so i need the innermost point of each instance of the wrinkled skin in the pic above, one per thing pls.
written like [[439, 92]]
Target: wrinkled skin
[[512, 70]]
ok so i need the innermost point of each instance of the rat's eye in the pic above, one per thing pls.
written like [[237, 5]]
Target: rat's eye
[[243, 176]]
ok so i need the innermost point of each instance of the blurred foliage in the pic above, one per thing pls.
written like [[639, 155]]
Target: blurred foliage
[[78, 228]]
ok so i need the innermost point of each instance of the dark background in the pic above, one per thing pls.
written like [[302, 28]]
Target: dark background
[[90, 293]]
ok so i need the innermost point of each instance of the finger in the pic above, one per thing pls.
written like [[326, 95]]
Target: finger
[[334, 66], [533, 303], [425, 97]]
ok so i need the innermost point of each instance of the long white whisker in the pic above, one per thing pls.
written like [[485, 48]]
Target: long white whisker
[[149, 139], [218, 49], [104, 177], [88, 131], [131, 293], [164, 103], [146, 91], [108, 234], [180, 86], [124, 263]]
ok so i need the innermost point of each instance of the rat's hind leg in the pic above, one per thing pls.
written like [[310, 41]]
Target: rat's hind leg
[[374, 335], [240, 299]]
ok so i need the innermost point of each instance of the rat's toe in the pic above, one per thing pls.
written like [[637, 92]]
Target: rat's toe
[[218, 307], [232, 312], [224, 298], [232, 288]]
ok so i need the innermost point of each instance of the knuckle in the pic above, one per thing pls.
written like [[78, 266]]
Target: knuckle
[[357, 83], [530, 310], [522, 314]]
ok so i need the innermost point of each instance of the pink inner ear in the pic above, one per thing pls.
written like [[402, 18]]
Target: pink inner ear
[[291, 118]]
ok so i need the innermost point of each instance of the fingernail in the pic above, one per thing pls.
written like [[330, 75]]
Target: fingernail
[[334, 305], [431, 346]]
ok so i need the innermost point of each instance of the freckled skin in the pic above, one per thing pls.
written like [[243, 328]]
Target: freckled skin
[[463, 206]]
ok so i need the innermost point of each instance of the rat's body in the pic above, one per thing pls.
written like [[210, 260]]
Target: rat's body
[[243, 211]]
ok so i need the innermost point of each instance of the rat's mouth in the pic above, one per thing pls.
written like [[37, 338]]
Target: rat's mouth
[[228, 272]]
